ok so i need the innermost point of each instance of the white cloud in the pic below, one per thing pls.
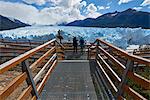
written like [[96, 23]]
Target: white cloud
[[38, 2], [91, 8], [123, 1], [65, 3], [103, 7], [137, 8], [146, 3], [55, 2], [91, 11], [22, 12], [46, 16], [93, 15], [61, 11]]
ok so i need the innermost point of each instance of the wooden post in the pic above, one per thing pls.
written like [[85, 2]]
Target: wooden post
[[56, 50], [129, 66], [16, 42], [30, 81], [30, 44], [88, 57], [97, 50]]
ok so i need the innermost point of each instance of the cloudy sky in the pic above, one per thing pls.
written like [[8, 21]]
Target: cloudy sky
[[51, 12]]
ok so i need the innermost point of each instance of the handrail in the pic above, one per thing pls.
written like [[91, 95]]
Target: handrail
[[111, 57], [133, 57], [92, 44], [27, 74], [60, 44], [42, 57], [52, 61], [143, 82], [38, 76], [27, 91], [122, 68], [90, 48], [111, 70], [11, 63], [22, 42], [108, 78]]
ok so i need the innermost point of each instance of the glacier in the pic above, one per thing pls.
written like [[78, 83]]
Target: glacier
[[121, 37]]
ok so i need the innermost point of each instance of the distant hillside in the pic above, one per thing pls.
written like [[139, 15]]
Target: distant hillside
[[128, 18], [10, 23]]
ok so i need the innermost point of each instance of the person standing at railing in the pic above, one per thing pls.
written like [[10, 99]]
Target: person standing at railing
[[82, 42], [59, 36], [75, 44]]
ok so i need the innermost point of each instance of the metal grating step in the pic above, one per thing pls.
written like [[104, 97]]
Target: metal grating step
[[70, 80]]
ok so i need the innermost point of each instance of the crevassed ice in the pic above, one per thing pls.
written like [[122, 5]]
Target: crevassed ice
[[121, 37]]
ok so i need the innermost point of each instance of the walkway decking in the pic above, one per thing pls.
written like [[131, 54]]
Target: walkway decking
[[75, 56], [70, 80]]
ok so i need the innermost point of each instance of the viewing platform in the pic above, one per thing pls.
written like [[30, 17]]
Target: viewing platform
[[53, 71]]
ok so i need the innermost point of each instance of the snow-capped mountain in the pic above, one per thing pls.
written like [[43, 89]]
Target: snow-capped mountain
[[7, 23], [128, 18]]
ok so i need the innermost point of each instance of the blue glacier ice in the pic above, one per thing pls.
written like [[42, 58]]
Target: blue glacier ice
[[120, 37]]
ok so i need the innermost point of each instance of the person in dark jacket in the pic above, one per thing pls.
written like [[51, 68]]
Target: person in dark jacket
[[59, 36], [75, 44], [82, 42]]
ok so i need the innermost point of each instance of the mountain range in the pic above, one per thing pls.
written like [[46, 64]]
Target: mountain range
[[128, 18], [10, 23]]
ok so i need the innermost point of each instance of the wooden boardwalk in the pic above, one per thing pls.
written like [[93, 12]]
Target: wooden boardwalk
[[70, 80], [49, 77]]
